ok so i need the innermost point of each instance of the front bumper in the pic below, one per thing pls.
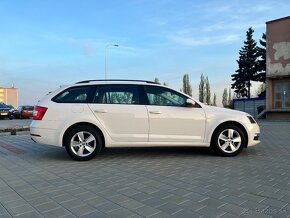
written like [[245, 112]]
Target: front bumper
[[253, 134]]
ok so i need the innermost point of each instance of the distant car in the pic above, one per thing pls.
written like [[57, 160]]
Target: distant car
[[22, 112], [4, 111]]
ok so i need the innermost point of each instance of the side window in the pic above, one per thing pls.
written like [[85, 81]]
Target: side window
[[74, 95], [164, 97], [117, 94]]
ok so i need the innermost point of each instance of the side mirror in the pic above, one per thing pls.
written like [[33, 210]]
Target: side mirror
[[190, 102]]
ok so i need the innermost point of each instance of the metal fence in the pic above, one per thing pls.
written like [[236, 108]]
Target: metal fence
[[254, 106]]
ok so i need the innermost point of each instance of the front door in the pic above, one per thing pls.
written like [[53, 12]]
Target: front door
[[171, 119]]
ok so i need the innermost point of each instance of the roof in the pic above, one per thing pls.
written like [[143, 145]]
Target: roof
[[277, 20], [116, 81]]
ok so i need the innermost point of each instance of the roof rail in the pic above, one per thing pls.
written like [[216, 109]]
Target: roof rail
[[115, 80]]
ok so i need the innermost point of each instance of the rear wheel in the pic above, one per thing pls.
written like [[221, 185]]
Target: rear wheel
[[228, 140], [83, 143]]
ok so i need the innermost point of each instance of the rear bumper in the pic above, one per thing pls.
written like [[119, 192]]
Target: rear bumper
[[43, 132], [44, 136]]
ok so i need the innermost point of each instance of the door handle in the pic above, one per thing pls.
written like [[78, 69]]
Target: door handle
[[101, 111], [155, 112]]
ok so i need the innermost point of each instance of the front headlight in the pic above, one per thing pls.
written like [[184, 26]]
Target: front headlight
[[252, 120]]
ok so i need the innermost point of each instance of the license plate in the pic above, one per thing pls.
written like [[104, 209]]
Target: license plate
[[4, 114]]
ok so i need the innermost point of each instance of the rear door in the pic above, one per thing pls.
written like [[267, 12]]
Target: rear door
[[119, 110]]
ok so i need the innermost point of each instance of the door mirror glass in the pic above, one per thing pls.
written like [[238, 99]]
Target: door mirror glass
[[190, 102]]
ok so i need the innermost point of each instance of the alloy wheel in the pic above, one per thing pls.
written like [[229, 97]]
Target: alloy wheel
[[229, 140], [83, 143]]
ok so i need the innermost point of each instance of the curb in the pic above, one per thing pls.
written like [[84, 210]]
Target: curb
[[14, 131]]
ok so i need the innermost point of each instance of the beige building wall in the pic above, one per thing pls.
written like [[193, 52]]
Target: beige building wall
[[278, 69], [9, 96]]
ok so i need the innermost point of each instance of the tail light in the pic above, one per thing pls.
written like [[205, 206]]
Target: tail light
[[39, 112]]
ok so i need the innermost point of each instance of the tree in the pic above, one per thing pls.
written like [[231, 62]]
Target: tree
[[156, 80], [202, 89], [186, 85], [214, 100], [207, 91], [261, 91], [230, 97], [261, 62], [225, 98], [247, 63]]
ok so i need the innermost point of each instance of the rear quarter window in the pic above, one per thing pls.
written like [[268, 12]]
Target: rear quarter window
[[80, 94]]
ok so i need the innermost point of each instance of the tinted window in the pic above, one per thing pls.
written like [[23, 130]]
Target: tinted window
[[3, 106], [74, 95], [164, 97], [29, 108], [117, 94]]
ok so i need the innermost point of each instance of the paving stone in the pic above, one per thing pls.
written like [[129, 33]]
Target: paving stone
[[95, 214], [20, 210], [274, 203], [72, 203], [233, 209], [154, 202], [82, 210], [210, 212], [16, 203], [186, 214], [131, 204], [30, 214], [192, 205], [170, 208], [146, 211], [120, 213], [212, 202], [107, 207], [233, 200], [141, 196], [252, 197], [57, 212], [2, 210]]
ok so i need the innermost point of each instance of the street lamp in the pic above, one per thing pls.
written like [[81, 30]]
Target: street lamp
[[107, 46]]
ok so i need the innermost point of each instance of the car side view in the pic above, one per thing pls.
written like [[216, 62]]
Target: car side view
[[90, 115]]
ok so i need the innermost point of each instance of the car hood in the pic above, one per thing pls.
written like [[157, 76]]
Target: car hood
[[227, 111]]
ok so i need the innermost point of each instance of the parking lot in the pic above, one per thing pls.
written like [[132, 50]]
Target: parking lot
[[42, 181]]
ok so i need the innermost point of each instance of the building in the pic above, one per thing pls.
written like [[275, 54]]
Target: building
[[278, 69], [9, 96]]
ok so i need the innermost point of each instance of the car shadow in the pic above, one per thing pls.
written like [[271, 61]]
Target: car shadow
[[157, 152]]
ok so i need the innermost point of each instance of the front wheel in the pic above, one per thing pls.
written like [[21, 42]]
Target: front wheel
[[83, 143], [228, 140]]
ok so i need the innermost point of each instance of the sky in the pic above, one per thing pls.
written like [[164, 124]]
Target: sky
[[48, 43]]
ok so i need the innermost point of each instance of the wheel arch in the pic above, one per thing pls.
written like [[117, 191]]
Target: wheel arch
[[233, 123], [83, 124]]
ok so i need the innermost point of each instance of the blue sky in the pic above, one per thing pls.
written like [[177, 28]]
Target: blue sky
[[48, 43]]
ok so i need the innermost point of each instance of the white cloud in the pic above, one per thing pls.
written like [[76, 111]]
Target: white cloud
[[86, 47], [185, 39]]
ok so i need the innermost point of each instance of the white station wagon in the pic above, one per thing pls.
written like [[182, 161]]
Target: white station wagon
[[90, 115]]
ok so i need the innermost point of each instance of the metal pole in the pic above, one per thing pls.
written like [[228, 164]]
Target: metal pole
[[115, 45]]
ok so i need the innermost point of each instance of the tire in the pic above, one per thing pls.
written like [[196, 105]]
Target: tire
[[228, 140], [83, 143]]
